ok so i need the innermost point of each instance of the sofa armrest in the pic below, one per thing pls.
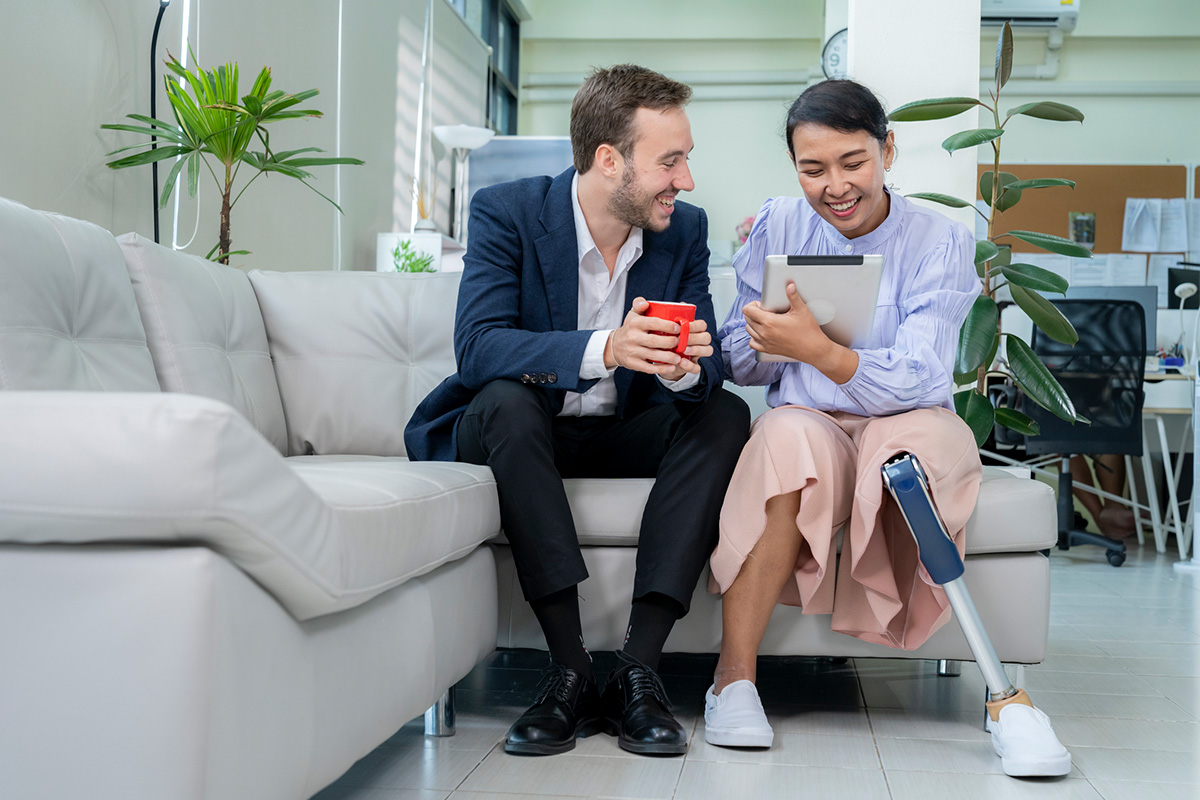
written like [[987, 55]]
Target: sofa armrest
[[164, 468], [355, 352]]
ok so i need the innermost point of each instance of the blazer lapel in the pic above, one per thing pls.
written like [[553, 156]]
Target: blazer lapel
[[558, 254]]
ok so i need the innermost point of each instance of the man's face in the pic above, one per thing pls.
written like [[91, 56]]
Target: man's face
[[656, 171]]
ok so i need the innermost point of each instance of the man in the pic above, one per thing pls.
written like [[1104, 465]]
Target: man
[[561, 374]]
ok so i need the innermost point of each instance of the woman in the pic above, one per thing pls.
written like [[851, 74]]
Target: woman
[[813, 461]]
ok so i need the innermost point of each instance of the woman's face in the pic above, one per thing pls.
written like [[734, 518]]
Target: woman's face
[[842, 176]]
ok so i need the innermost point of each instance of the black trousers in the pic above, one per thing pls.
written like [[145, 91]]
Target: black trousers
[[690, 448]]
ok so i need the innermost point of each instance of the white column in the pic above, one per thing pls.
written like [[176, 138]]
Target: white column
[[912, 51]]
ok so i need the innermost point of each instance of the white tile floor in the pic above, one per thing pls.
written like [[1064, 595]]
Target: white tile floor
[[1120, 683]]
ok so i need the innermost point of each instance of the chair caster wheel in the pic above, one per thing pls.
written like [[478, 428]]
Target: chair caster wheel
[[1116, 557]]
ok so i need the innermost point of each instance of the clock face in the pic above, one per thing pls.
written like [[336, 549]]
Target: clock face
[[833, 57]]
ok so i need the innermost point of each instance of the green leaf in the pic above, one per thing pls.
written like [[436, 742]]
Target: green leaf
[[1057, 112], [935, 108], [1016, 421], [1030, 277], [978, 332], [971, 138], [1007, 179], [170, 184], [1004, 56], [1003, 258], [1045, 315], [322, 162], [1055, 244], [944, 199], [985, 251], [149, 157], [977, 412], [1037, 382], [1040, 183]]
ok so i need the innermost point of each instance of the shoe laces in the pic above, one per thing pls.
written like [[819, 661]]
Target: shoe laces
[[643, 681], [556, 682]]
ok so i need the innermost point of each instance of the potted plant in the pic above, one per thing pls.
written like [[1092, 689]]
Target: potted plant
[[980, 338], [213, 122]]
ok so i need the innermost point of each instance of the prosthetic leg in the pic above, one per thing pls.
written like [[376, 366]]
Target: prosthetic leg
[[1021, 734]]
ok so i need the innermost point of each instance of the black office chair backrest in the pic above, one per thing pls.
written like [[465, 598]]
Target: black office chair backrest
[[1102, 374]]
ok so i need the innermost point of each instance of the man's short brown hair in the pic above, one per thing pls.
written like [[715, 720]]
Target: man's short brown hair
[[604, 108]]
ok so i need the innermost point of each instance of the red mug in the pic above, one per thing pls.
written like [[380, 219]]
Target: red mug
[[681, 313]]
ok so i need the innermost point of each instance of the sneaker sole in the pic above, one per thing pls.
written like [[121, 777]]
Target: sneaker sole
[[725, 737], [1036, 767]]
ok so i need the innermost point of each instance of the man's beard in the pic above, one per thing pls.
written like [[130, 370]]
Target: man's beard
[[631, 208]]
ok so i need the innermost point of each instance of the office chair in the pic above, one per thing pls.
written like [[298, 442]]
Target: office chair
[[1102, 374]]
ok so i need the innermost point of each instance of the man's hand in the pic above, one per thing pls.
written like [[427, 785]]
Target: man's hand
[[645, 344], [796, 334]]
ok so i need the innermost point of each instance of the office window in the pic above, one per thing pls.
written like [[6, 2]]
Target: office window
[[498, 25]]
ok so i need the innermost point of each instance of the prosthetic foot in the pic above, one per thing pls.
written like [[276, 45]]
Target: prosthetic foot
[[1021, 734]]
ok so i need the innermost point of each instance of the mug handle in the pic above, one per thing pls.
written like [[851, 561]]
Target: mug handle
[[685, 326]]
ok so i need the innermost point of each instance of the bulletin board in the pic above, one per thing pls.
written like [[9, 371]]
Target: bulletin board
[[1099, 189]]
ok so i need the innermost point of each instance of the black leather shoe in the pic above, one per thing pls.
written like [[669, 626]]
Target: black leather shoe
[[567, 706], [638, 713]]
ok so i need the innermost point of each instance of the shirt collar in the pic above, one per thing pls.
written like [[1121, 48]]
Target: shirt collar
[[583, 237], [871, 242]]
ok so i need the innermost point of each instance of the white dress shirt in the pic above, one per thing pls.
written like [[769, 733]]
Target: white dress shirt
[[602, 310]]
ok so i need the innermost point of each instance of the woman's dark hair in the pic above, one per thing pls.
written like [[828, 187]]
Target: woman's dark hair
[[843, 105]]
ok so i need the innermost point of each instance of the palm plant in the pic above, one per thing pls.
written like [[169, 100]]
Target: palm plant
[[980, 338], [212, 122]]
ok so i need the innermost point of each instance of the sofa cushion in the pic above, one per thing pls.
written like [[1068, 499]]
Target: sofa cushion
[[1012, 515], [319, 535], [68, 319], [350, 383], [401, 519], [205, 331]]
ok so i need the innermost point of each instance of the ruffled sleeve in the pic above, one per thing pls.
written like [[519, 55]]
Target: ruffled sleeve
[[917, 370]]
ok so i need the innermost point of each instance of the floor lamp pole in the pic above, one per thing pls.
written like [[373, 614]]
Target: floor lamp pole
[[162, 6]]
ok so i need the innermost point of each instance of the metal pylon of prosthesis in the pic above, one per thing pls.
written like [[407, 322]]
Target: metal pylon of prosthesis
[[904, 478]]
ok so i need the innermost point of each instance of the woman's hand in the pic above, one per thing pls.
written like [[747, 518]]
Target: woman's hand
[[796, 334]]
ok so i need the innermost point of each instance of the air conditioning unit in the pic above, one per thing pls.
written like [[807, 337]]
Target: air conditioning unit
[[1050, 14]]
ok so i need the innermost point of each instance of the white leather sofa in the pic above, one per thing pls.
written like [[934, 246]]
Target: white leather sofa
[[219, 576], [1007, 574]]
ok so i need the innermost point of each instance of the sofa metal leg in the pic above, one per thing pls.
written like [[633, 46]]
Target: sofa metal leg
[[949, 668], [439, 717]]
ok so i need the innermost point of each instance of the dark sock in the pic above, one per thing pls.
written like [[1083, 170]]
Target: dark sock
[[650, 623], [558, 614]]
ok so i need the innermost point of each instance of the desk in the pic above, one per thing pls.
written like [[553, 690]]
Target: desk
[[1168, 393]]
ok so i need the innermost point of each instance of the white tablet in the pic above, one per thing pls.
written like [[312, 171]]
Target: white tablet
[[840, 291]]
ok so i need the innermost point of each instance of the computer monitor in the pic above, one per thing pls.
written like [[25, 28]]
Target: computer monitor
[[1146, 296], [506, 158]]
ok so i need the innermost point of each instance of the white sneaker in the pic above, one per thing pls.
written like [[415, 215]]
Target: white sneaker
[[1025, 741], [735, 717]]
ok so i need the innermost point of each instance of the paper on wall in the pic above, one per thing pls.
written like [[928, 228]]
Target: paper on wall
[[1193, 228], [1089, 271], [1143, 221], [1126, 269], [1158, 277], [1173, 228]]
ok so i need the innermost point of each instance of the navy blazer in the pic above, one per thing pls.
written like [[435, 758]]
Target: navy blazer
[[518, 307]]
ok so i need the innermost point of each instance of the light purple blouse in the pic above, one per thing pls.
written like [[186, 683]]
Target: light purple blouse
[[929, 283]]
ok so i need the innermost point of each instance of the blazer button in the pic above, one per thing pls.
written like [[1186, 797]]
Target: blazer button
[[525, 378], [543, 378], [553, 377]]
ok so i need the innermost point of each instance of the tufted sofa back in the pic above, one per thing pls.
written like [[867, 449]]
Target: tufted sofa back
[[68, 318], [355, 352]]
